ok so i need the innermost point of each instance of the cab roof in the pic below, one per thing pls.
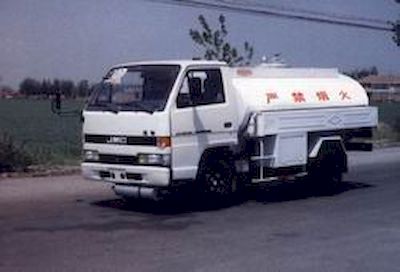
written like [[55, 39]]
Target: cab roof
[[182, 63]]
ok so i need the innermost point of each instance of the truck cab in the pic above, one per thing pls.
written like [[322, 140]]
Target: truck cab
[[153, 126]]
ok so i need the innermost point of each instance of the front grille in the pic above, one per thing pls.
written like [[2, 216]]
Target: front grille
[[117, 159], [121, 160], [130, 140]]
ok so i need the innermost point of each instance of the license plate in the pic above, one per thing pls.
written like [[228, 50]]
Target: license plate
[[118, 174]]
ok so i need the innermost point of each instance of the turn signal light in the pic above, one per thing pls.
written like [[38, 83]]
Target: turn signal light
[[163, 142]]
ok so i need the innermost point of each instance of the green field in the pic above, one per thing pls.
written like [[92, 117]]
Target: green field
[[48, 138], [389, 113], [51, 139]]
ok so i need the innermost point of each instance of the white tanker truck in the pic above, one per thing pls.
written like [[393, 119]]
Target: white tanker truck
[[150, 127]]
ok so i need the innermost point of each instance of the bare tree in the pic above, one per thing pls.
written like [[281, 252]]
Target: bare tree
[[216, 45], [396, 29]]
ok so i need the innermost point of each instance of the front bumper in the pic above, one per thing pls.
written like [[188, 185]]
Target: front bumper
[[148, 176]]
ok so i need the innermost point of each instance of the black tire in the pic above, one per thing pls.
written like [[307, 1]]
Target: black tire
[[217, 177], [326, 178], [326, 171]]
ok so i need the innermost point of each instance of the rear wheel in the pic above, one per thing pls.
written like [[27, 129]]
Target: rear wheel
[[326, 178], [326, 171]]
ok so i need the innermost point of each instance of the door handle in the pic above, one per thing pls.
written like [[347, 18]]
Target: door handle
[[227, 124]]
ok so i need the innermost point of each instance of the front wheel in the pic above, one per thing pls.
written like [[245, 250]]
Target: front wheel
[[218, 178]]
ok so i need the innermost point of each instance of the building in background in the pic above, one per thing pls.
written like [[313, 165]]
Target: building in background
[[8, 93], [382, 87]]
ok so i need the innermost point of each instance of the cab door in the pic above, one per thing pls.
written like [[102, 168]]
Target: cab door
[[201, 118]]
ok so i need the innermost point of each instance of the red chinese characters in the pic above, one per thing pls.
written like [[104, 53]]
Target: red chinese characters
[[344, 95], [298, 97], [322, 96], [271, 96]]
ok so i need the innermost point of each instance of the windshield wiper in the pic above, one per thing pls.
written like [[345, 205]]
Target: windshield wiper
[[139, 106], [106, 107], [113, 108], [116, 108]]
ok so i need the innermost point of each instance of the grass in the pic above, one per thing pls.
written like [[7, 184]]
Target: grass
[[389, 113], [12, 156], [389, 122], [53, 140], [46, 137]]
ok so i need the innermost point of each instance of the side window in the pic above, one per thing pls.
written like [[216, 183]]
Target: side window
[[201, 87]]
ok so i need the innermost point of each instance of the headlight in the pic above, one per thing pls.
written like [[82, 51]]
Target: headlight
[[90, 155], [154, 159]]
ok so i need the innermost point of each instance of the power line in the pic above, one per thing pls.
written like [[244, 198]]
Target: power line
[[305, 11], [249, 9]]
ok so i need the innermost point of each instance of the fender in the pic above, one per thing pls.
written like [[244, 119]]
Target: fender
[[221, 151], [315, 150], [337, 155]]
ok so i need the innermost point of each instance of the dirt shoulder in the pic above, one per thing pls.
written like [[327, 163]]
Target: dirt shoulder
[[43, 171]]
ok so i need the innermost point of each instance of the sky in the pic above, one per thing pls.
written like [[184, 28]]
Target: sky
[[81, 39]]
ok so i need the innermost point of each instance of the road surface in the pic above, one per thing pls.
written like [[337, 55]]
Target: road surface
[[68, 224]]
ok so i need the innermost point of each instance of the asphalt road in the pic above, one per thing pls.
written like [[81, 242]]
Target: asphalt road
[[68, 224]]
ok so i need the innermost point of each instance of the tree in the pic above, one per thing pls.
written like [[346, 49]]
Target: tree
[[364, 72], [67, 88], [29, 86], [83, 88], [55, 87], [215, 44], [396, 29], [46, 88]]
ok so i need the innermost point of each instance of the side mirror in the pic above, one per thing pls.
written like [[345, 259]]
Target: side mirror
[[56, 104], [58, 101], [56, 107]]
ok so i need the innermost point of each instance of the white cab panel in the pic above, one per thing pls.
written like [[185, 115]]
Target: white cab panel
[[195, 129], [126, 123]]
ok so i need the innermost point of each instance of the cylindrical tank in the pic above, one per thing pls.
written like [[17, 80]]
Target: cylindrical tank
[[273, 89]]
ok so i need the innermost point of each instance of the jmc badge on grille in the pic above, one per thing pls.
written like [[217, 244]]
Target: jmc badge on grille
[[117, 140]]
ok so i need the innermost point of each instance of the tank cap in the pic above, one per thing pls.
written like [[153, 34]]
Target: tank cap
[[276, 61]]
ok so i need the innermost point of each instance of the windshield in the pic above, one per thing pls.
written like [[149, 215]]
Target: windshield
[[134, 88]]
